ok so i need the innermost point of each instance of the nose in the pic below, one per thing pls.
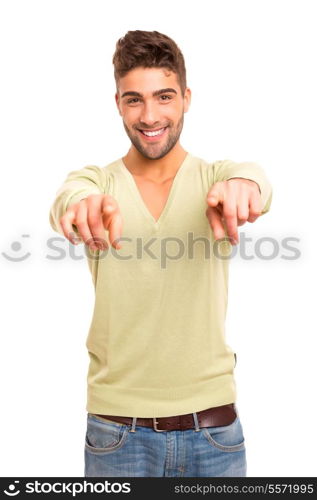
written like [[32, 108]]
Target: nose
[[149, 115]]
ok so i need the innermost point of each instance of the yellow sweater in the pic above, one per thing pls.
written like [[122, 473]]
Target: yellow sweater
[[157, 337]]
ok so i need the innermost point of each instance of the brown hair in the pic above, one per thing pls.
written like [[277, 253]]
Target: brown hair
[[148, 49]]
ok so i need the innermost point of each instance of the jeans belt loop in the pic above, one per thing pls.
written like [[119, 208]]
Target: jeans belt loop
[[133, 424]]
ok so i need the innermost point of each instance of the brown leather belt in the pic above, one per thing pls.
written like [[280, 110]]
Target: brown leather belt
[[212, 417]]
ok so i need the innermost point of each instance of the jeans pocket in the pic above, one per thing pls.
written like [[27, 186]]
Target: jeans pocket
[[227, 437], [103, 437]]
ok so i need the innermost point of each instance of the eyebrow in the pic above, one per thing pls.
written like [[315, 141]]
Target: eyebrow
[[157, 92]]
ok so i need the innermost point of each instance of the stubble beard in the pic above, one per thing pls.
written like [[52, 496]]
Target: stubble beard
[[155, 151]]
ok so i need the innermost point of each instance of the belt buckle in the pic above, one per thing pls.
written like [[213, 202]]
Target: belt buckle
[[155, 422]]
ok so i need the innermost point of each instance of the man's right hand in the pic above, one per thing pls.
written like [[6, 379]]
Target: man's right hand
[[92, 216]]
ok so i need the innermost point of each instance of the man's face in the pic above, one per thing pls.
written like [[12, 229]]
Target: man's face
[[144, 112]]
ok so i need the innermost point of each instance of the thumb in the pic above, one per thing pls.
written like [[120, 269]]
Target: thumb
[[213, 197]]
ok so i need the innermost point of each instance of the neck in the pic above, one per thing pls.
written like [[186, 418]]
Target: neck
[[162, 168]]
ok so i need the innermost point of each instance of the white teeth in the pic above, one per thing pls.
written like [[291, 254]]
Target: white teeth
[[151, 134]]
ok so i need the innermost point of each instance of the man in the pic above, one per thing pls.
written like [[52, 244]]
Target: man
[[159, 224]]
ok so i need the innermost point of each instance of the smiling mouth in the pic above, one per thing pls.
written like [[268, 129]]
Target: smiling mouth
[[153, 133]]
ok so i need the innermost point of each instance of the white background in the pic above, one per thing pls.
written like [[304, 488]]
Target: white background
[[250, 66]]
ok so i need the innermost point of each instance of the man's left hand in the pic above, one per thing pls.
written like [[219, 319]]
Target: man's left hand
[[231, 203]]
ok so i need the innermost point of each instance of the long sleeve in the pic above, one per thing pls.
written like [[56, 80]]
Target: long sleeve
[[228, 169], [77, 185]]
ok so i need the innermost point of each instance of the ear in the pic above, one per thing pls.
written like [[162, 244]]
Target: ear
[[117, 102], [187, 99]]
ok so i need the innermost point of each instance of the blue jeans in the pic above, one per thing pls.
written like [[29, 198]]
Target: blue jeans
[[112, 449]]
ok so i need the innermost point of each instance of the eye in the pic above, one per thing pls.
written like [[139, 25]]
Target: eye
[[168, 97], [133, 100]]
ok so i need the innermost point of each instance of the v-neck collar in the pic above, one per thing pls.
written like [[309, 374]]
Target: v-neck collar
[[139, 200]]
